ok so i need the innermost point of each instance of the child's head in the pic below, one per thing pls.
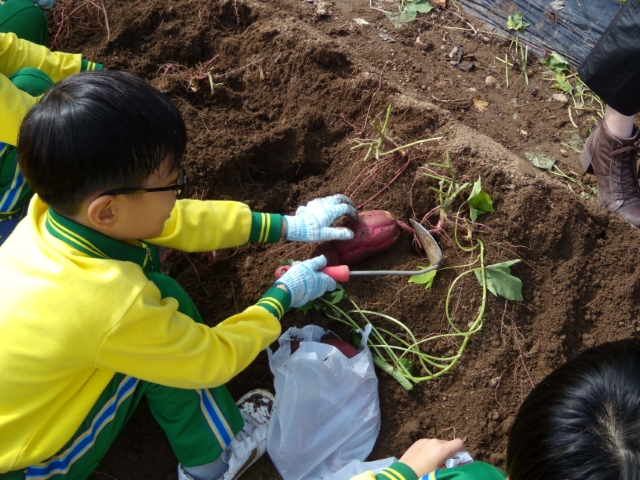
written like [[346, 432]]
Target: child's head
[[99, 131], [582, 422]]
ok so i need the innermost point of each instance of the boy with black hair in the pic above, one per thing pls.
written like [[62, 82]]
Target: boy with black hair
[[89, 325], [582, 422], [27, 70]]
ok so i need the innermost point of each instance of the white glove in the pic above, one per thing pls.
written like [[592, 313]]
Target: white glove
[[305, 283], [312, 223]]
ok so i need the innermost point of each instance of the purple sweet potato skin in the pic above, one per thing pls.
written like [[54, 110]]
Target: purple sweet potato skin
[[375, 230], [345, 348], [328, 249]]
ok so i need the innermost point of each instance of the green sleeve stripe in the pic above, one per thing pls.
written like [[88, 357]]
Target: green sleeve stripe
[[276, 301], [272, 306], [265, 227], [397, 471], [87, 66]]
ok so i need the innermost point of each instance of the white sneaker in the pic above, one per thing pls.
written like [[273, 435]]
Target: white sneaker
[[251, 442]]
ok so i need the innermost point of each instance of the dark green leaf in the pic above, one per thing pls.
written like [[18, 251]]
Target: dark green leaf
[[555, 62], [308, 306], [334, 297], [500, 281], [540, 159], [419, 6], [399, 19]]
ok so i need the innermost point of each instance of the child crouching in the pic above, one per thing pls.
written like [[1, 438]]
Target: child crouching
[[582, 422], [89, 324]]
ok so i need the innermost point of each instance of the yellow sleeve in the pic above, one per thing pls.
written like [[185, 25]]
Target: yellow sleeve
[[14, 104], [155, 342], [201, 226], [14, 55]]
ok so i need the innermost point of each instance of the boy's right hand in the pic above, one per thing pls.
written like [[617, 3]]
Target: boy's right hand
[[305, 282]]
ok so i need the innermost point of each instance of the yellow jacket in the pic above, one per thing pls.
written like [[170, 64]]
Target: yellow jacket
[[14, 55], [70, 321]]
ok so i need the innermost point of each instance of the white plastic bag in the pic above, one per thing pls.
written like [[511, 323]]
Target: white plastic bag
[[326, 411]]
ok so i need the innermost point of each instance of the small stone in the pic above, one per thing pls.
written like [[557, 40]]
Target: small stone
[[494, 381], [560, 97], [495, 415], [323, 9], [490, 81], [423, 45], [588, 340], [564, 153]]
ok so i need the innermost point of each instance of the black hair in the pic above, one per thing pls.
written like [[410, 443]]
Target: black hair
[[96, 131], [582, 422]]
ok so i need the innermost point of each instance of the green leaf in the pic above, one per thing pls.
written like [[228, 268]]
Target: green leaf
[[562, 83], [419, 6], [540, 159], [407, 364], [330, 297], [555, 62], [308, 306], [517, 23], [399, 19], [425, 279], [479, 201], [334, 297], [500, 281]]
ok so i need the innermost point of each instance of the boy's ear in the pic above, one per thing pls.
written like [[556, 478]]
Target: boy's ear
[[101, 212]]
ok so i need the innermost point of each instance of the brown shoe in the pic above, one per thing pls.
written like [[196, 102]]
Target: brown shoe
[[614, 161]]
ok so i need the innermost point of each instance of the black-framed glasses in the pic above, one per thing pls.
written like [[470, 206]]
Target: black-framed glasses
[[178, 188]]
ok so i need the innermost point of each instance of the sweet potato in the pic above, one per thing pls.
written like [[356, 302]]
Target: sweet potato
[[345, 348], [375, 230]]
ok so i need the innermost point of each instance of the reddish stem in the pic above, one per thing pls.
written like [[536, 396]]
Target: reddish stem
[[405, 227], [395, 177], [375, 169]]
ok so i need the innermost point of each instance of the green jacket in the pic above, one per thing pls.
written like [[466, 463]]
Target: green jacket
[[78, 306], [470, 471]]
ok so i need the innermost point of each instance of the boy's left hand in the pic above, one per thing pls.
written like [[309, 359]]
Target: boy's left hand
[[312, 223], [429, 454]]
